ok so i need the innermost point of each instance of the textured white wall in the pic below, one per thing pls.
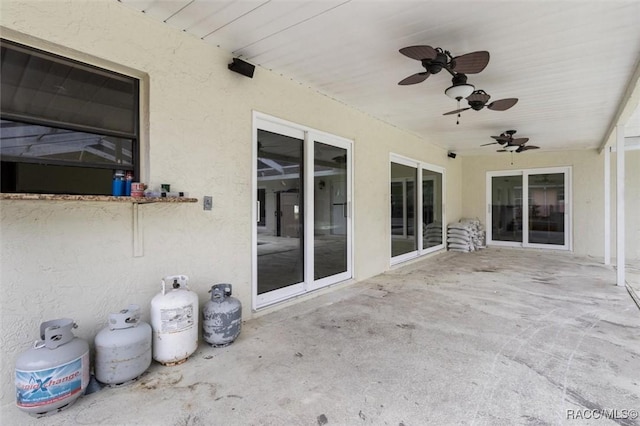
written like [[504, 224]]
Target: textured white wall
[[587, 177], [72, 259]]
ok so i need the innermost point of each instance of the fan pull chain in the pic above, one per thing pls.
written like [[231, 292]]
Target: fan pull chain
[[512, 158], [458, 120]]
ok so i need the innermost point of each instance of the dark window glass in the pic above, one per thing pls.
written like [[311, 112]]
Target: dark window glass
[[59, 112]]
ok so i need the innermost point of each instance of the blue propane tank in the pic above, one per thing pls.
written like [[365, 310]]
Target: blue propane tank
[[123, 349], [54, 373], [222, 317]]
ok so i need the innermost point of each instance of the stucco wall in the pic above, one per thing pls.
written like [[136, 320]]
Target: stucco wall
[[72, 259]]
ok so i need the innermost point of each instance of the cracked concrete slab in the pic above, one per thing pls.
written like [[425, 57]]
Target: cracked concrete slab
[[496, 337]]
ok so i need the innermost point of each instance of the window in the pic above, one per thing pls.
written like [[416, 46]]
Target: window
[[65, 126]]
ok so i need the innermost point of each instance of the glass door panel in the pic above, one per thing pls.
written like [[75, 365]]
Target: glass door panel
[[280, 254], [506, 208], [330, 210], [431, 208], [546, 208], [403, 209]]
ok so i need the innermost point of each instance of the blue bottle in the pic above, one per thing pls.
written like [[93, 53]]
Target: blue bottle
[[118, 184]]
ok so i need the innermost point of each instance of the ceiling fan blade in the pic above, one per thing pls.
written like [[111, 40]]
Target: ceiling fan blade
[[518, 141], [526, 148], [502, 104], [471, 63], [415, 78], [492, 143], [501, 139], [419, 52], [456, 111], [502, 150]]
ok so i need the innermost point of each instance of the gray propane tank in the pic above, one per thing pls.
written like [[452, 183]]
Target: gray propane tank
[[123, 349], [222, 317], [54, 373]]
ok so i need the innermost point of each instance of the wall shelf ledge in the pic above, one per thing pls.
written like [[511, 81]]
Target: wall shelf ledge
[[100, 198]]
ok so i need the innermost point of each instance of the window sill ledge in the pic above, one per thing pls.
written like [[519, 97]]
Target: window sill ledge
[[102, 198]]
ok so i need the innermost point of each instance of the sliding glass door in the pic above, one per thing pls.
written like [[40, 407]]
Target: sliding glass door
[[529, 208], [331, 211], [506, 208], [302, 215], [417, 209], [281, 240], [403, 209], [547, 209]]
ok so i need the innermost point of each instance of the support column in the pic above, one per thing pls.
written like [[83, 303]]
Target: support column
[[620, 230], [607, 206]]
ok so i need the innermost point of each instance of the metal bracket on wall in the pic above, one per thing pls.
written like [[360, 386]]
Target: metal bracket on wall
[[138, 236]]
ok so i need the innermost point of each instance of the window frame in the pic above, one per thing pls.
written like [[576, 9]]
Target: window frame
[[140, 91]]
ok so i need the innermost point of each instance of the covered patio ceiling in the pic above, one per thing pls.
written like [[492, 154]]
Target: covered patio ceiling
[[574, 66]]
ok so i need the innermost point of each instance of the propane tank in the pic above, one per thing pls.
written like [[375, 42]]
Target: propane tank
[[123, 349], [222, 317], [54, 373], [174, 320]]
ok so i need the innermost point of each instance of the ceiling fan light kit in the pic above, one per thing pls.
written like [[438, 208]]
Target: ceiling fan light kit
[[434, 60], [459, 88]]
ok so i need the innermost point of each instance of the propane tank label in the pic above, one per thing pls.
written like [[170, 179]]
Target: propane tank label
[[176, 319], [45, 387]]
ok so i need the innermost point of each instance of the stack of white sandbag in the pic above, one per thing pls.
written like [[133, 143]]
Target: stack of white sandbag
[[466, 235], [432, 234]]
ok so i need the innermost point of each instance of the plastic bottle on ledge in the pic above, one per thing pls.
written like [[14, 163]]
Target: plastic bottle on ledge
[[117, 185], [128, 178]]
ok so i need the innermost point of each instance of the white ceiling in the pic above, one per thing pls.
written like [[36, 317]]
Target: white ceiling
[[569, 63]]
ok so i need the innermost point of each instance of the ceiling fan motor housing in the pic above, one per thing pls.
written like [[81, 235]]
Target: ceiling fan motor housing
[[435, 65], [478, 99]]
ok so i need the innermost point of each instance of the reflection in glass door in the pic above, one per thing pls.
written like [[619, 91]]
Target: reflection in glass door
[[403, 218], [506, 208], [546, 209], [431, 208], [280, 241], [330, 210]]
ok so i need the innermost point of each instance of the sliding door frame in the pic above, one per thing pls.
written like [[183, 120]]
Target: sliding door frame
[[525, 173], [310, 136], [419, 166]]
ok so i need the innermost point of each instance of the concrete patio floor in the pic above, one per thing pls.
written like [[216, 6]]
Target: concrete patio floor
[[496, 337]]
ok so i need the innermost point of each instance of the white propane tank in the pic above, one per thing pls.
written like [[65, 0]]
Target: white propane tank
[[123, 349], [221, 317], [174, 320], [54, 373]]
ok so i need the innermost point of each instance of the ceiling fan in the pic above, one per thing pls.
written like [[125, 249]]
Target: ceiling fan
[[510, 144], [478, 100], [435, 60]]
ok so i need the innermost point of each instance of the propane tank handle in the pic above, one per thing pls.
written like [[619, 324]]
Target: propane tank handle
[[126, 318], [178, 281], [57, 332], [220, 291]]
